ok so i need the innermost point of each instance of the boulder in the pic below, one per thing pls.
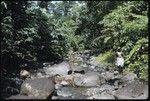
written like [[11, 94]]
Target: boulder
[[88, 79], [102, 96], [130, 77], [133, 90], [70, 92], [64, 80], [64, 92], [91, 91], [18, 96], [107, 75], [39, 75], [58, 86], [25, 74], [61, 69], [106, 87], [40, 88], [116, 72]]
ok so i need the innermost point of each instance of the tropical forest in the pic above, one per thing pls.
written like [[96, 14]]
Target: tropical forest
[[74, 49]]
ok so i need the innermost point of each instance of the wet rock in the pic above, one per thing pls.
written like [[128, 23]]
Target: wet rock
[[133, 90], [61, 68], [106, 87], [54, 97], [40, 88], [64, 80], [58, 86], [102, 96], [39, 75], [116, 72], [21, 97], [107, 75], [24, 74], [71, 93], [64, 83], [91, 91], [130, 77], [87, 80], [64, 92]]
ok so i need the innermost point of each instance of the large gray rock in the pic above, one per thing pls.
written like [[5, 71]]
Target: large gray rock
[[102, 96], [106, 87], [64, 80], [70, 92], [107, 75], [61, 69], [21, 97], [88, 79], [40, 88], [130, 77], [91, 91], [133, 90], [64, 92]]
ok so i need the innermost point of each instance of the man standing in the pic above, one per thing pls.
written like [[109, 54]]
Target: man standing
[[119, 60]]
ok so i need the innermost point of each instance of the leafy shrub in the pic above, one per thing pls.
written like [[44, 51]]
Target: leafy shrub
[[126, 27], [107, 57]]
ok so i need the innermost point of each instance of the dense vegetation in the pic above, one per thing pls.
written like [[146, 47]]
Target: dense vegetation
[[44, 31]]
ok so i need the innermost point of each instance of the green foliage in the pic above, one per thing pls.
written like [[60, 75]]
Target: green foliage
[[140, 45], [7, 37], [44, 31], [121, 25], [126, 27], [107, 57], [140, 69], [137, 60]]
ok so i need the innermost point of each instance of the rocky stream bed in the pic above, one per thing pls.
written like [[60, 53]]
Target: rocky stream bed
[[91, 80]]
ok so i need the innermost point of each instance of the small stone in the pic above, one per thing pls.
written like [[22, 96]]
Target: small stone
[[93, 67], [54, 97], [64, 83], [39, 74], [116, 72], [58, 86]]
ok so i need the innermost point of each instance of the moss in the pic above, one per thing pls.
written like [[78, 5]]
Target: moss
[[107, 57]]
